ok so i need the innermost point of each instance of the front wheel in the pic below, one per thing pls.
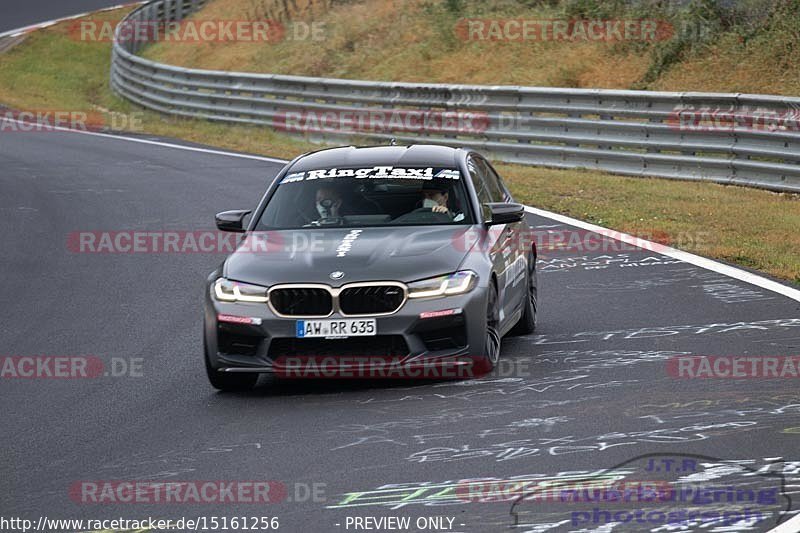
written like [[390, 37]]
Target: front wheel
[[486, 362]]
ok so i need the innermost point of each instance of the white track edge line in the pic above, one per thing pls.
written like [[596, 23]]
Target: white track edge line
[[148, 141], [686, 257]]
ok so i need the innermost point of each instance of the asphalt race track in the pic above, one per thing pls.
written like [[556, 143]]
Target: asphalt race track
[[589, 396], [18, 13], [589, 393]]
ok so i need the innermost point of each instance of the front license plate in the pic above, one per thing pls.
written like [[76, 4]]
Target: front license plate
[[336, 328]]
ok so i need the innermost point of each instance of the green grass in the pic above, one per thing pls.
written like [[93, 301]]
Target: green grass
[[754, 228]]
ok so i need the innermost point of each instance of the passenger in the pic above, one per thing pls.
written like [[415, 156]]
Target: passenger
[[435, 196]]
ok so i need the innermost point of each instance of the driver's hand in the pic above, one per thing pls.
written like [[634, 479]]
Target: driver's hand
[[439, 209]]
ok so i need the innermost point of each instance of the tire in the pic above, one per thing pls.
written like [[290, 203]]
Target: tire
[[486, 361], [229, 381], [527, 322]]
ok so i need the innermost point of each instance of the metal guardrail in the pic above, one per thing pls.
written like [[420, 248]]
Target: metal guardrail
[[637, 133]]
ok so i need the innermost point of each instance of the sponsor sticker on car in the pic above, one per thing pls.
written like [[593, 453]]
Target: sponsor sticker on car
[[428, 173]]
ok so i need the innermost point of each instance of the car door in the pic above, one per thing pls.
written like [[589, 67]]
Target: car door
[[516, 239], [502, 239]]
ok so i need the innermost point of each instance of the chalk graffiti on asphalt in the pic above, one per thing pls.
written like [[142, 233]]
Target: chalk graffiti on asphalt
[[667, 331]]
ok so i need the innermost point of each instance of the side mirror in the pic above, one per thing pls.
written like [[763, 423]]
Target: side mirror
[[503, 213], [231, 220]]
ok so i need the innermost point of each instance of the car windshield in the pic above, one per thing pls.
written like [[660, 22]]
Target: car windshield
[[364, 197]]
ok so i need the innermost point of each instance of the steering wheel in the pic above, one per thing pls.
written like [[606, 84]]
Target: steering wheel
[[430, 210], [423, 214]]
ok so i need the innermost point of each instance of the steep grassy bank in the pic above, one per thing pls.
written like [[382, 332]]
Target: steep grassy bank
[[701, 45]]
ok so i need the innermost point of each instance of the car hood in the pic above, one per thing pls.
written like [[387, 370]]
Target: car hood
[[310, 256]]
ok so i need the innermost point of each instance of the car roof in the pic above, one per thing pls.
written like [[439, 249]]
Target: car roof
[[415, 155]]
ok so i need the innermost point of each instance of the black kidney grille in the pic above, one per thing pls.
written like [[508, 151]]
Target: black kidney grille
[[301, 301], [369, 300]]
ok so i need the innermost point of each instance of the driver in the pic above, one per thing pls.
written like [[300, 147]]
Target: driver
[[328, 202], [333, 202]]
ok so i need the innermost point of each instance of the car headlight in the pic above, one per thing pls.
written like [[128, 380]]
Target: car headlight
[[457, 283], [226, 290]]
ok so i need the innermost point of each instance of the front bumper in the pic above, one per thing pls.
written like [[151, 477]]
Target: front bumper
[[247, 337]]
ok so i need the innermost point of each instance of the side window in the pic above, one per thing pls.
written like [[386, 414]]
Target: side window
[[495, 186], [479, 183], [480, 187]]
